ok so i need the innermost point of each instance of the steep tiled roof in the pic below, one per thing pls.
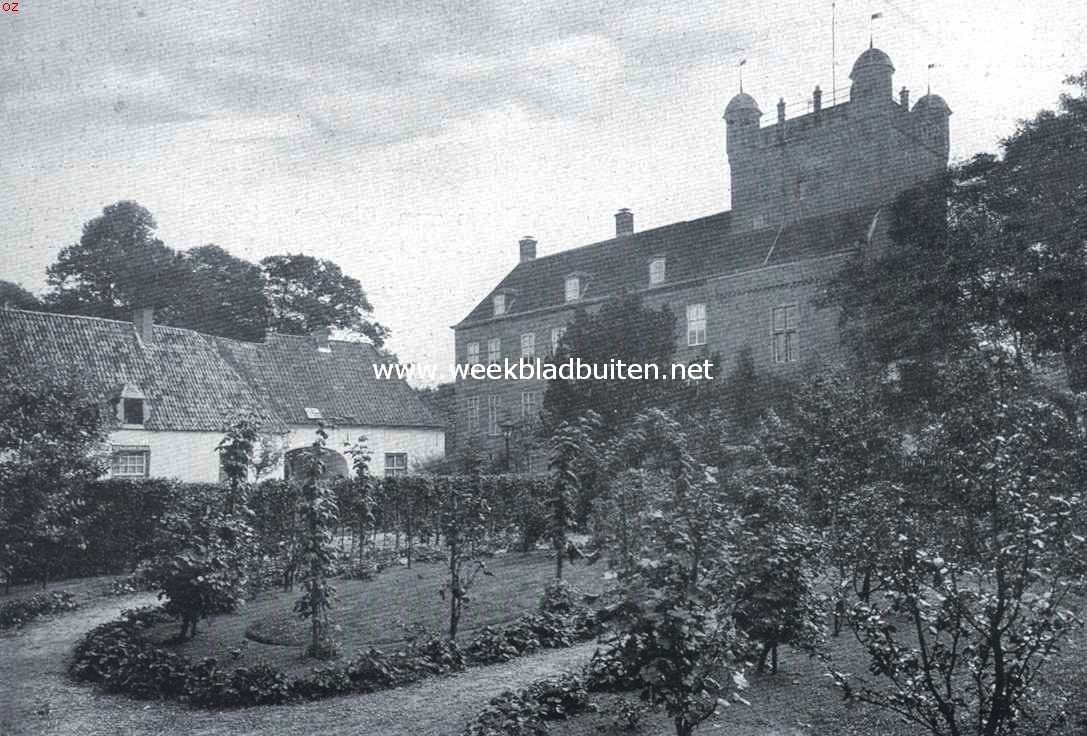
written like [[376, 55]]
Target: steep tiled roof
[[693, 249], [194, 381]]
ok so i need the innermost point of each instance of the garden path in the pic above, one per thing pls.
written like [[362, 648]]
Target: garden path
[[37, 698]]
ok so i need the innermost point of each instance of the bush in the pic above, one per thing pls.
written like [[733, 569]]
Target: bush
[[14, 614], [524, 713]]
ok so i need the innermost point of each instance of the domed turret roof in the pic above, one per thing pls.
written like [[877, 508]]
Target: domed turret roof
[[931, 103], [742, 102], [871, 57]]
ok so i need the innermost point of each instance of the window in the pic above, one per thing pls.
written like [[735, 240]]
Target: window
[[499, 305], [473, 353], [656, 271], [132, 411], [494, 405], [313, 413], [130, 463], [696, 324], [528, 346], [473, 414], [494, 350], [557, 334], [573, 288], [396, 463], [786, 347], [529, 411]]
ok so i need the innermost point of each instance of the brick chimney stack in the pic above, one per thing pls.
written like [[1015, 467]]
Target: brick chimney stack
[[527, 248], [320, 338], [817, 99], [624, 223], [904, 99], [144, 321]]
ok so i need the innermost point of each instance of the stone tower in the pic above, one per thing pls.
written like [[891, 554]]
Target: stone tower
[[854, 154]]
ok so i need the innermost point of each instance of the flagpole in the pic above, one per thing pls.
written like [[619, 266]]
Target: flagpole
[[834, 52]]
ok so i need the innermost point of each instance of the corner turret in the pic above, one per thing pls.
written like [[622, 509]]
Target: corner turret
[[872, 77], [741, 117]]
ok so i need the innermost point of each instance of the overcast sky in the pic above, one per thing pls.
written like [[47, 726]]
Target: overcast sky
[[415, 142]]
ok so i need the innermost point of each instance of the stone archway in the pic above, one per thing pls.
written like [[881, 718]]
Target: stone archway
[[294, 460]]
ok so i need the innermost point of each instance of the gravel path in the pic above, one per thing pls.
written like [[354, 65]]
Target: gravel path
[[37, 698]]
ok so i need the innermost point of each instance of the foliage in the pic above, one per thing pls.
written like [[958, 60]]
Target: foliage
[[317, 513], [236, 457], [51, 431], [622, 329], [674, 635], [15, 296], [463, 520], [991, 254], [224, 295], [983, 588], [201, 561], [524, 713], [16, 613], [306, 294], [570, 443]]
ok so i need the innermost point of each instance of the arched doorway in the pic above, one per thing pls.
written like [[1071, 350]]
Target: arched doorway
[[294, 463]]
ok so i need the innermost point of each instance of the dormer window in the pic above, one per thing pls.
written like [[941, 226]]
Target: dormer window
[[131, 408], [656, 271], [573, 288], [500, 305]]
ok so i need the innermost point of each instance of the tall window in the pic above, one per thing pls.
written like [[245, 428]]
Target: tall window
[[130, 463], [556, 338], [696, 324], [529, 410], [573, 288], [473, 414], [396, 463], [494, 350], [786, 347], [494, 406], [473, 353], [656, 271], [133, 411], [528, 346], [499, 305]]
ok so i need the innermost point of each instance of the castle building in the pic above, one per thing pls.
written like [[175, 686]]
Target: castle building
[[807, 192]]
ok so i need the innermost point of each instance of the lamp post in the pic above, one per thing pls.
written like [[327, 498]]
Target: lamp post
[[507, 432]]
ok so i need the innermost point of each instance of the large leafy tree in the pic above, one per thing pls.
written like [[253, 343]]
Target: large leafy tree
[[13, 295], [225, 295], [117, 265], [622, 329], [993, 253], [306, 293]]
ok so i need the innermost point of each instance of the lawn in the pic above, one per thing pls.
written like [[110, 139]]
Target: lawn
[[382, 612]]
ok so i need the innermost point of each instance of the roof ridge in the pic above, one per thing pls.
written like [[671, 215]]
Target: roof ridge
[[68, 315], [637, 234]]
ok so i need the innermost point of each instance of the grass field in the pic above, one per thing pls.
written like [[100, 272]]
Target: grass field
[[381, 612]]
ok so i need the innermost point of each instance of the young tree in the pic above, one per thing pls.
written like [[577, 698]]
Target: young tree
[[675, 635], [569, 445], [984, 573], [318, 515], [305, 294], [237, 452], [463, 521]]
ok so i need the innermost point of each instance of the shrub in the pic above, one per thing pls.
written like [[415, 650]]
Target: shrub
[[524, 713], [14, 614], [491, 646]]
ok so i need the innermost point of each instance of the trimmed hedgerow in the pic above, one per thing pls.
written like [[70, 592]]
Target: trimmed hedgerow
[[16, 613], [119, 657]]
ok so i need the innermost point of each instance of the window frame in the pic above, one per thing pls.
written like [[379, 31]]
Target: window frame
[[575, 280], [531, 344], [471, 357], [530, 408], [693, 322], [501, 304], [472, 407], [658, 271], [785, 339], [144, 453], [393, 468], [557, 333], [494, 350], [494, 409]]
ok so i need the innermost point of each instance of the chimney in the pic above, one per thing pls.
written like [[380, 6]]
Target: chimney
[[817, 99], [904, 99], [144, 321], [781, 111], [527, 247], [320, 338], [624, 223]]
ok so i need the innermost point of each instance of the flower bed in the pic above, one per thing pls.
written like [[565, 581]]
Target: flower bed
[[119, 657], [16, 613]]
